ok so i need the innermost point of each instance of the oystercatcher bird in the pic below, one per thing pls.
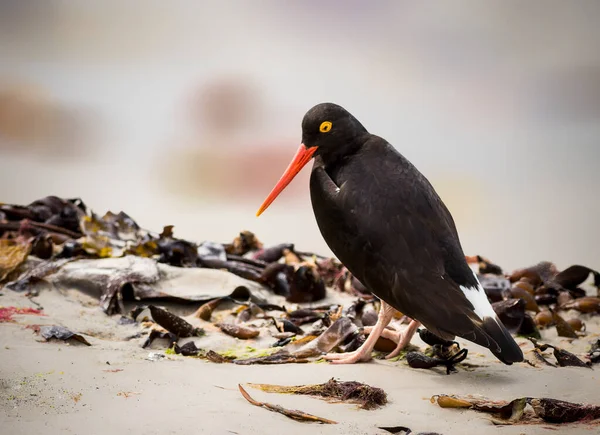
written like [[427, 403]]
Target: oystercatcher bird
[[385, 222]]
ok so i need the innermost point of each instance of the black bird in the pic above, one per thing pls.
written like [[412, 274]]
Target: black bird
[[385, 222]]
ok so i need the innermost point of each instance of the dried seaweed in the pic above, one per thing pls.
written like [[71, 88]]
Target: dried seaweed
[[282, 357], [245, 242], [563, 357], [291, 413], [588, 304], [61, 333], [418, 360], [562, 327], [238, 331], [511, 312], [188, 349], [340, 331], [174, 324], [366, 396], [560, 411], [12, 254], [155, 333]]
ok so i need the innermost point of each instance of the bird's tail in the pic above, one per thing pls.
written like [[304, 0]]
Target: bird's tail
[[507, 351]]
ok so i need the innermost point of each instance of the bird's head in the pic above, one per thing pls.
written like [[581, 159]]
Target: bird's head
[[328, 130]]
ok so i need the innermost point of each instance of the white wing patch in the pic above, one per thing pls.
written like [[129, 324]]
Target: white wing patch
[[479, 300]]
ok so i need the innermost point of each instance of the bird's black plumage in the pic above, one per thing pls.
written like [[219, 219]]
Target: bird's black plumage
[[385, 222]]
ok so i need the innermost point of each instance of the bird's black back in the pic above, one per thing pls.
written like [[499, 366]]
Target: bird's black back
[[385, 222]]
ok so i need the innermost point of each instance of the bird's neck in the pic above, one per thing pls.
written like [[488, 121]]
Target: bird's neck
[[336, 156]]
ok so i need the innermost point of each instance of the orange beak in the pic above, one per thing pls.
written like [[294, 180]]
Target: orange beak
[[302, 157]]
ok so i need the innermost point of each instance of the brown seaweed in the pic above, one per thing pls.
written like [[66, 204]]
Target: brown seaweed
[[544, 319], [562, 327], [13, 252], [563, 357], [245, 242], [418, 360], [291, 413], [36, 274], [530, 303], [573, 276], [544, 409], [537, 274], [205, 311], [511, 312], [560, 411], [306, 286], [238, 331], [272, 253], [366, 396], [188, 349], [588, 304], [282, 357], [174, 324], [155, 334]]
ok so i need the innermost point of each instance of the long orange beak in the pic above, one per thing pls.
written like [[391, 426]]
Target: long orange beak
[[302, 157]]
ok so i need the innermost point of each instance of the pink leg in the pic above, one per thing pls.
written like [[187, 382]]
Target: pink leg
[[402, 338], [363, 353]]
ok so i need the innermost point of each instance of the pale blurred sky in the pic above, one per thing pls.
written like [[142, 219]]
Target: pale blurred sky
[[496, 102]]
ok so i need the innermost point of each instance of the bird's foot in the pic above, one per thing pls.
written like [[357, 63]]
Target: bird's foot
[[401, 338], [359, 355]]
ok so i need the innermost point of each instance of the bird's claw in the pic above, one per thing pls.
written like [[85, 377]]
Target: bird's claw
[[348, 358]]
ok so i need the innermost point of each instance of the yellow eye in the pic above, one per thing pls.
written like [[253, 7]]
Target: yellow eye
[[325, 127]]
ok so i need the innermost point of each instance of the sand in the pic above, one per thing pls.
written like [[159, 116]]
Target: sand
[[113, 386]]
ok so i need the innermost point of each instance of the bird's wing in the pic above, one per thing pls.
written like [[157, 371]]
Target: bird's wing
[[398, 239]]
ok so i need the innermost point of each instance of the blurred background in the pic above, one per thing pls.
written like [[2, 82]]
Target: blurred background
[[187, 112]]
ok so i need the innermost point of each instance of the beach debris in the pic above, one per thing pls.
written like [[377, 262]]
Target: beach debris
[[245, 242], [401, 430], [155, 356], [418, 360], [281, 357], [273, 253], [544, 319], [560, 411], [291, 413], [588, 304], [215, 357], [542, 409], [238, 331], [518, 292], [174, 324], [284, 325], [528, 328], [7, 313], [366, 396], [188, 349], [563, 328], [576, 324], [13, 253], [61, 333], [594, 353], [503, 412], [511, 312], [156, 334], [205, 311], [64, 245], [564, 358], [341, 331], [127, 394]]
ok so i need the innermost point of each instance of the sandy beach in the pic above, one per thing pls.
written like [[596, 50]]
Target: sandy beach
[[113, 386]]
